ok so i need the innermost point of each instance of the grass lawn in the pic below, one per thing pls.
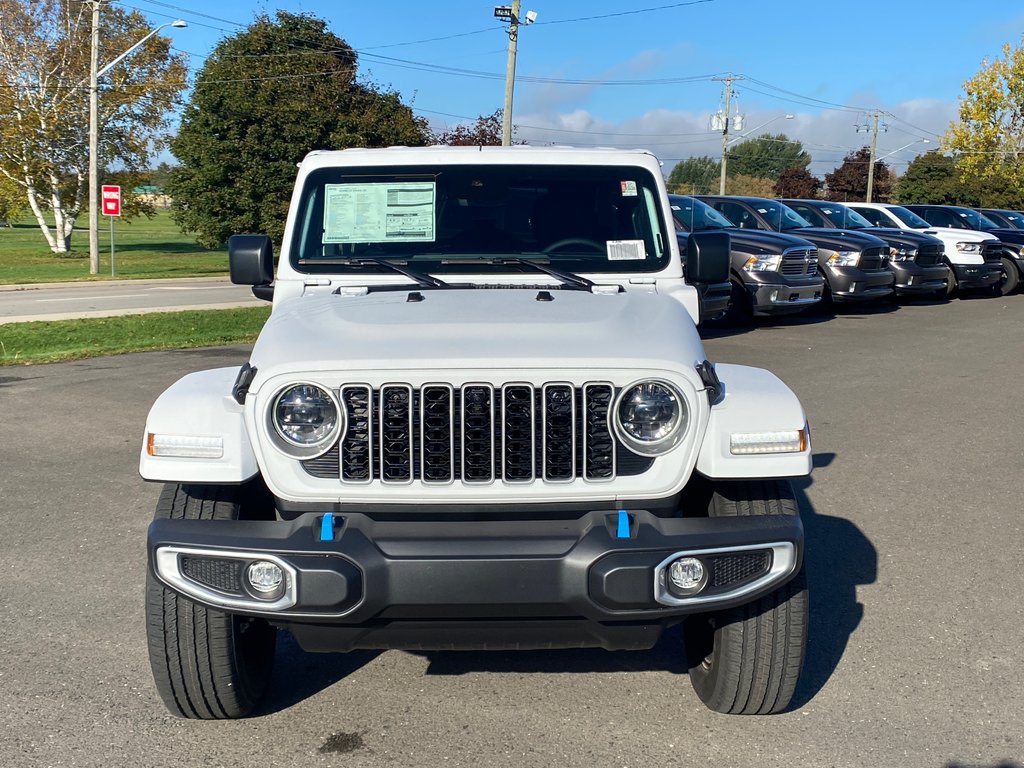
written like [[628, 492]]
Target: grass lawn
[[47, 342], [142, 248]]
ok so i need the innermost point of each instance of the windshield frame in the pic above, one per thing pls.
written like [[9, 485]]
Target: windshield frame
[[700, 210], [775, 217], [634, 200], [909, 218]]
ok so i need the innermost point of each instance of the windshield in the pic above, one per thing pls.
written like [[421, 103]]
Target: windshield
[[695, 215], [976, 220], [781, 217], [908, 217], [843, 217], [456, 219]]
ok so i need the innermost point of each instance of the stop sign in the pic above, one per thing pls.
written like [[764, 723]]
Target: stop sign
[[111, 200]]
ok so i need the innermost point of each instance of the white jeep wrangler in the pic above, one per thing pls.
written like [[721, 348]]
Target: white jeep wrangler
[[479, 417]]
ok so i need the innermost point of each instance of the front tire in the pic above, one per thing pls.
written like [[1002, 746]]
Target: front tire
[[1010, 279], [951, 286], [747, 660], [207, 664]]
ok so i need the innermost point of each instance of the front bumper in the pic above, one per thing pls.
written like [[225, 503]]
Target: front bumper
[[855, 284], [598, 580], [912, 278], [774, 294], [984, 275]]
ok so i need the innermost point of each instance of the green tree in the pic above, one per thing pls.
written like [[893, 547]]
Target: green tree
[[933, 178], [755, 186], [44, 103], [797, 182], [266, 97], [767, 156], [485, 132], [850, 180], [988, 138], [12, 201], [695, 175]]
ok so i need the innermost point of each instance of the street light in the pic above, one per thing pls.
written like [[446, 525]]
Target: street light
[[95, 73], [725, 146], [871, 167]]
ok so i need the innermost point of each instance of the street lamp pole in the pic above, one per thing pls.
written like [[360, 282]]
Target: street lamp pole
[[95, 73], [726, 141]]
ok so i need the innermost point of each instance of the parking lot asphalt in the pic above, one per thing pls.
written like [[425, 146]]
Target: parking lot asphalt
[[914, 525]]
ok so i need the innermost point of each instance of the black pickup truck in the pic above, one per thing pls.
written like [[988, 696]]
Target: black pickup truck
[[772, 273], [855, 265], [915, 259]]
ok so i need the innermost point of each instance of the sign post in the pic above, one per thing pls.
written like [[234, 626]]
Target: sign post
[[111, 196]]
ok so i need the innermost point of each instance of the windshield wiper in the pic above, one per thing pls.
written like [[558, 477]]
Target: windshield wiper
[[570, 279], [423, 280]]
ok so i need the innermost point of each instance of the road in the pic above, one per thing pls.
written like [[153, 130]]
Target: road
[[65, 301], [914, 528]]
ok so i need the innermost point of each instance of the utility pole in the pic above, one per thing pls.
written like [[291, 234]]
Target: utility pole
[[94, 142], [874, 149], [726, 120], [510, 75]]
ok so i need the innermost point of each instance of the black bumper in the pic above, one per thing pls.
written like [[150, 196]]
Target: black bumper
[[855, 284], [473, 584], [772, 293], [912, 278], [969, 276]]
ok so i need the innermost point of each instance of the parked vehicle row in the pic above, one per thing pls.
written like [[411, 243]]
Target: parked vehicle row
[[850, 252]]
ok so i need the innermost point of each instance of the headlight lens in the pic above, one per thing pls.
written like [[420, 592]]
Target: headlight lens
[[651, 417], [306, 416], [969, 247], [902, 254], [765, 262], [843, 258]]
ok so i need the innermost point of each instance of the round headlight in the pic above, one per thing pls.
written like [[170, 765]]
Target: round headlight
[[306, 416], [651, 417]]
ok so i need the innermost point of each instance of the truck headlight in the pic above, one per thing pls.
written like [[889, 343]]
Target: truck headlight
[[650, 417], [306, 418], [902, 253], [842, 258], [969, 247], [764, 262]]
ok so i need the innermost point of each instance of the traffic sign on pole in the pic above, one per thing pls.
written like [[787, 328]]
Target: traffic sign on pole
[[111, 196]]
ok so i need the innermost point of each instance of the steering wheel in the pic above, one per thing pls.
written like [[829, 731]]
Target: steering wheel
[[575, 241]]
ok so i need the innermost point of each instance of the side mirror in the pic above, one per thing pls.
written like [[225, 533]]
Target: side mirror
[[707, 257], [251, 259]]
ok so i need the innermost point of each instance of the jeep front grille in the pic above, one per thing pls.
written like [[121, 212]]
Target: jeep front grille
[[799, 261], [478, 433]]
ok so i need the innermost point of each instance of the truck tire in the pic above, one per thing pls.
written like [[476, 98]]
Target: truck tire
[[951, 285], [1011, 277], [747, 660], [207, 664]]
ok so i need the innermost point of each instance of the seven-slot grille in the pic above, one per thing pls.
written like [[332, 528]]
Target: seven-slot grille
[[799, 261], [477, 433]]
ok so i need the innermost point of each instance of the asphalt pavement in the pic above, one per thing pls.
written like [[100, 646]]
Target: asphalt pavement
[[67, 301], [914, 527]]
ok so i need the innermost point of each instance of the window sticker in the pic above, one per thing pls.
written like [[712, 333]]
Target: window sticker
[[628, 188], [382, 212], [626, 250]]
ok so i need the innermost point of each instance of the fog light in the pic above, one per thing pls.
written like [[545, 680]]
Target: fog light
[[265, 577], [687, 576]]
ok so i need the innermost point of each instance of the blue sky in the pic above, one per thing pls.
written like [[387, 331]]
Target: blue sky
[[639, 73]]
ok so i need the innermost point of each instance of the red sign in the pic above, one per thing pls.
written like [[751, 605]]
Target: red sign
[[111, 200]]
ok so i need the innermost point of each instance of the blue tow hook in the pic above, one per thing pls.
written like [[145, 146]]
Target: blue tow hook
[[623, 528], [327, 527]]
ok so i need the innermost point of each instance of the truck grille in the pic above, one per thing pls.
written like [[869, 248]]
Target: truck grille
[[478, 433], [799, 261], [873, 260], [992, 250], [929, 255]]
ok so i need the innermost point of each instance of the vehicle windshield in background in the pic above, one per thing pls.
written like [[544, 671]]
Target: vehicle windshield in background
[[845, 218], [909, 218], [781, 216], [976, 220], [696, 215], [459, 219]]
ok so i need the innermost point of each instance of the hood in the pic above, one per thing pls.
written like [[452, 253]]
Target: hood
[[841, 239], [502, 328], [1015, 236], [954, 233], [905, 237], [757, 240]]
